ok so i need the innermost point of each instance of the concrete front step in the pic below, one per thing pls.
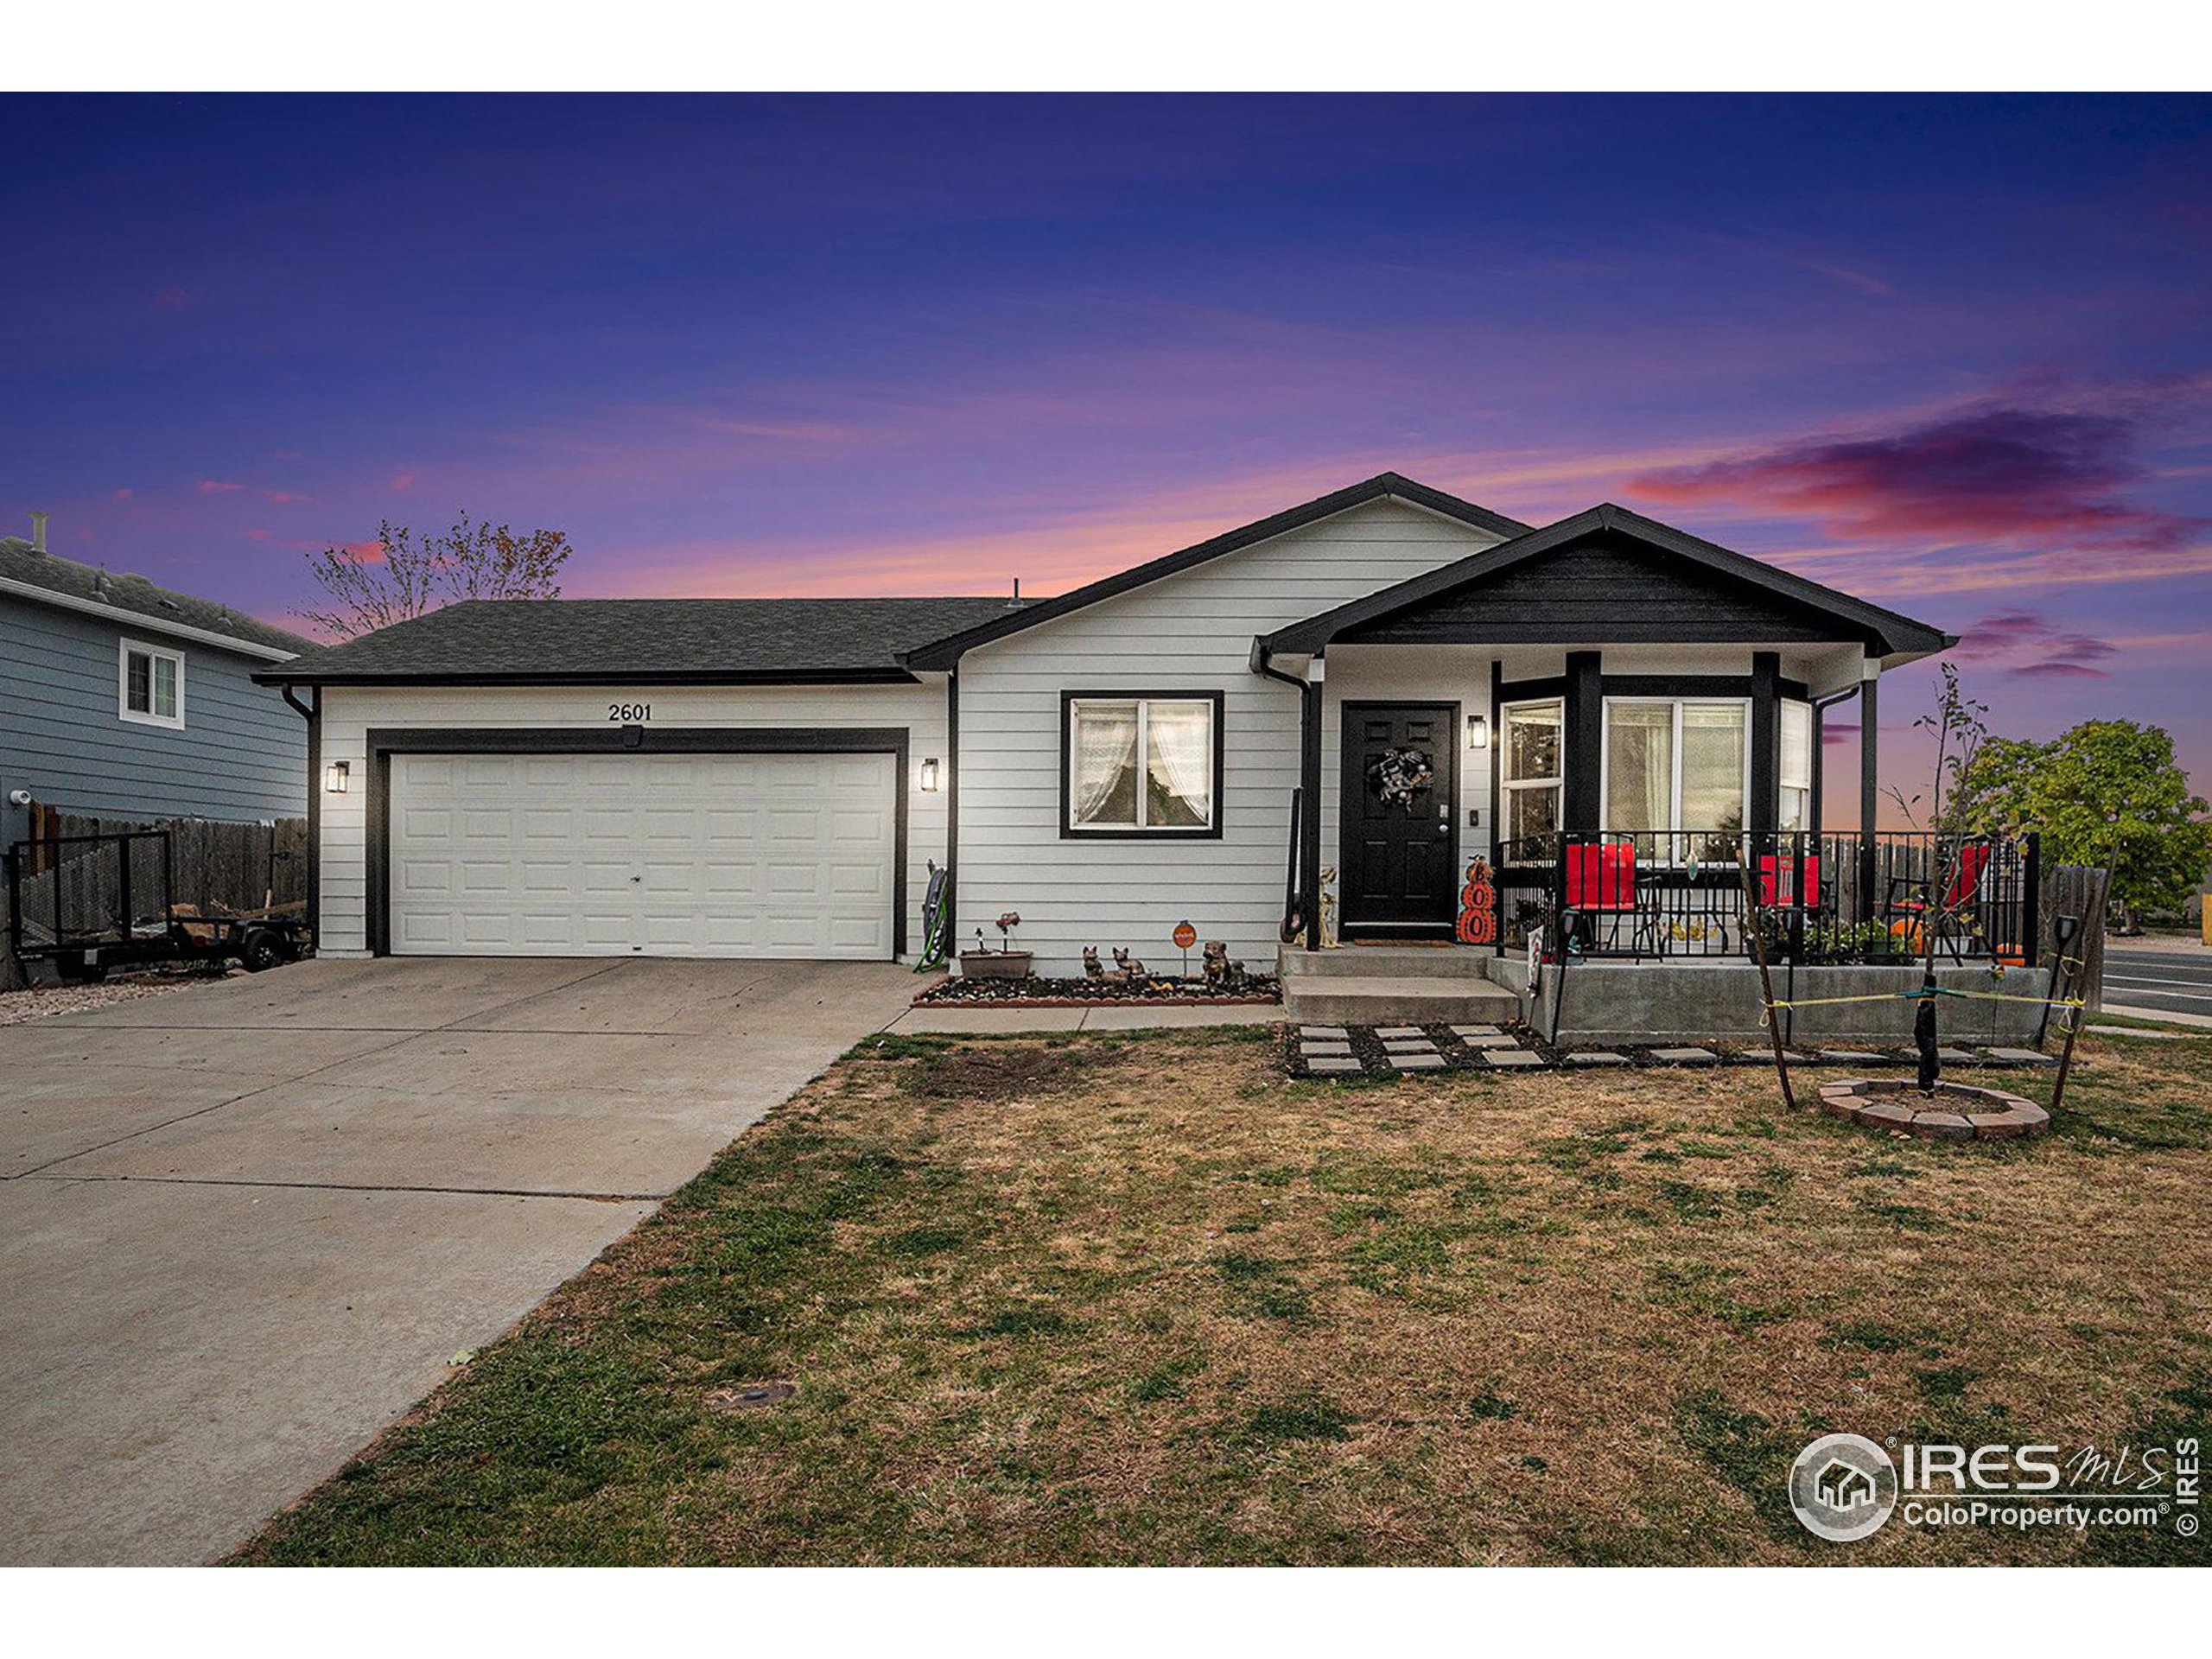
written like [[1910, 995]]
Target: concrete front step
[[1385, 962], [1390, 1000]]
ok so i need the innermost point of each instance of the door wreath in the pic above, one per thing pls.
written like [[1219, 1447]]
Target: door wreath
[[1399, 775]]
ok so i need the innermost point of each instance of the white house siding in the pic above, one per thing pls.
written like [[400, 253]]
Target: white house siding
[[349, 712], [1191, 631]]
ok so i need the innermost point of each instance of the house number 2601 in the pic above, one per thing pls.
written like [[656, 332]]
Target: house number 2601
[[629, 713]]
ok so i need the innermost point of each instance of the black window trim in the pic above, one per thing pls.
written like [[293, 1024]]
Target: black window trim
[[1070, 697]]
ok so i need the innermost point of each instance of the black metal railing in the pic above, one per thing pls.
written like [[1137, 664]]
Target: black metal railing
[[1838, 898]]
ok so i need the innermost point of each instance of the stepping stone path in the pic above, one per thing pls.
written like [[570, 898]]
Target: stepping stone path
[[1850, 1057], [2023, 1057], [1325, 1033], [1386, 1033], [1431, 1061], [1599, 1057], [1332, 1065], [1514, 1059], [1686, 1056]]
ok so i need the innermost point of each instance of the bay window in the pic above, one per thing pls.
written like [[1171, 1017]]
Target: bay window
[[1676, 773], [1140, 765], [1794, 778], [1531, 770]]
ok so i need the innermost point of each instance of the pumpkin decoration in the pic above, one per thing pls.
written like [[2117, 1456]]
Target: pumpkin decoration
[[1478, 905]]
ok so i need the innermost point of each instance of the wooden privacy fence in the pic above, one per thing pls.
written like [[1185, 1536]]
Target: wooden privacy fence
[[215, 868], [2078, 891]]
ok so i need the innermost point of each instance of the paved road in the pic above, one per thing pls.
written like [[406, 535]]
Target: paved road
[[245, 1227], [2168, 980]]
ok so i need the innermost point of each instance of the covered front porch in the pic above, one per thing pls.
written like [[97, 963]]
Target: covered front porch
[[1606, 741]]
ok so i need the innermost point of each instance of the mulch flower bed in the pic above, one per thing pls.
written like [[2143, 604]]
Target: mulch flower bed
[[1162, 991]]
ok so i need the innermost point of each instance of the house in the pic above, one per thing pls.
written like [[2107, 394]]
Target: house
[[1429, 682], [119, 699]]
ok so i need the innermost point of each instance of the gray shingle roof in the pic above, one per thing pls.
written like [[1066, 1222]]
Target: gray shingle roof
[[20, 561], [645, 640]]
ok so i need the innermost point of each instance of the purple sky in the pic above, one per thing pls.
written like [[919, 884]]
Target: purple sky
[[1950, 354]]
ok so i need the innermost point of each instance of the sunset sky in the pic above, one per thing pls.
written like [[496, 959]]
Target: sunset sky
[[1953, 355]]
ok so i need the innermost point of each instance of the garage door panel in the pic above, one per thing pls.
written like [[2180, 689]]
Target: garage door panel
[[676, 855]]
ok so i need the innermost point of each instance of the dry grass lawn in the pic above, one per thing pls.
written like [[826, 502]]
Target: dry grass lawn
[[1142, 1300]]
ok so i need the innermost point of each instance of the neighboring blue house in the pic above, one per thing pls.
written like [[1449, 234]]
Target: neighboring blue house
[[124, 700]]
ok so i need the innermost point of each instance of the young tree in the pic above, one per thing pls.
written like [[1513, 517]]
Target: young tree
[[403, 577]]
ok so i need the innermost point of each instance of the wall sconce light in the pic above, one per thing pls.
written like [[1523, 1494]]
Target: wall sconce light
[[1478, 731], [337, 777], [929, 776]]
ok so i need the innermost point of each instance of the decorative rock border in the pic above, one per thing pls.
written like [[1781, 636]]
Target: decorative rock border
[[1958, 1111]]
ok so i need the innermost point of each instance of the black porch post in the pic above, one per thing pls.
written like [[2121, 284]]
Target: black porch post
[[1766, 741], [1585, 729], [1309, 780], [1869, 781]]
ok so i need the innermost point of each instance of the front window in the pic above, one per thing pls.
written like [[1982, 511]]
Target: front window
[[1533, 750], [1140, 766], [151, 691], [1677, 775], [1795, 778]]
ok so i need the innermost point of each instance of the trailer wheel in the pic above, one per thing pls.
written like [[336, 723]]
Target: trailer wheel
[[262, 949]]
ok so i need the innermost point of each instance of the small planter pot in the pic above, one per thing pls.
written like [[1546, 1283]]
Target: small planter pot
[[995, 964]]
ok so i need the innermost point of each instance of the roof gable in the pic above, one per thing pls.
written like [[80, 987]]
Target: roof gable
[[945, 653], [1609, 574]]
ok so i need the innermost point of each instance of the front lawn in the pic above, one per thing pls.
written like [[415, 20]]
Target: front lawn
[[1140, 1300]]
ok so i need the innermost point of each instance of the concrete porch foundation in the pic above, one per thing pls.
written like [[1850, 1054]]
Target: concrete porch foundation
[[1633, 1003]]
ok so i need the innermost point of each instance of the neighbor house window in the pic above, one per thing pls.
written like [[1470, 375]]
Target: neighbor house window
[[1795, 807], [1533, 750], [151, 689], [1142, 765], [1676, 774]]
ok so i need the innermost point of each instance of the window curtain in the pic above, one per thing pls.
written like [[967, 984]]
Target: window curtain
[[1640, 765], [1105, 756], [1712, 766], [1179, 742]]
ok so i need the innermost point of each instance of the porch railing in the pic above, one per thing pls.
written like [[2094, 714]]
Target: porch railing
[[1840, 898]]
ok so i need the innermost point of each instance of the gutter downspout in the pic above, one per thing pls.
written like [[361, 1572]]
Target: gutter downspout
[[312, 713], [952, 809], [1309, 774]]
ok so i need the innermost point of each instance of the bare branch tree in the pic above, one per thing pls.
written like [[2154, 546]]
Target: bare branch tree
[[369, 589]]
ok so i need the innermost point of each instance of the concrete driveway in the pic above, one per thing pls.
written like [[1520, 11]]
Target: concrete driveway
[[246, 1226]]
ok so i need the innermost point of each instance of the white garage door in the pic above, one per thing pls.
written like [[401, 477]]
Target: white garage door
[[671, 856]]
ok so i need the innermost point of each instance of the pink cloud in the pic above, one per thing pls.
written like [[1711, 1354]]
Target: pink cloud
[[218, 486], [125, 493], [283, 496], [2003, 474], [2023, 642], [404, 480], [256, 535], [171, 299]]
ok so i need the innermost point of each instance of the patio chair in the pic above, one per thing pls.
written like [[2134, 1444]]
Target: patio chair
[[1601, 882], [1956, 922]]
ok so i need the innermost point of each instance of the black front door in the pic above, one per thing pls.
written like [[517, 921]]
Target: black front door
[[1398, 833]]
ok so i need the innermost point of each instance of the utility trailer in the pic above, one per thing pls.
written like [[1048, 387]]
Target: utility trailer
[[88, 904]]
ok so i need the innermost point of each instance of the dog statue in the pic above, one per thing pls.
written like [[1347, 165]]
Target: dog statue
[[1221, 974]]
